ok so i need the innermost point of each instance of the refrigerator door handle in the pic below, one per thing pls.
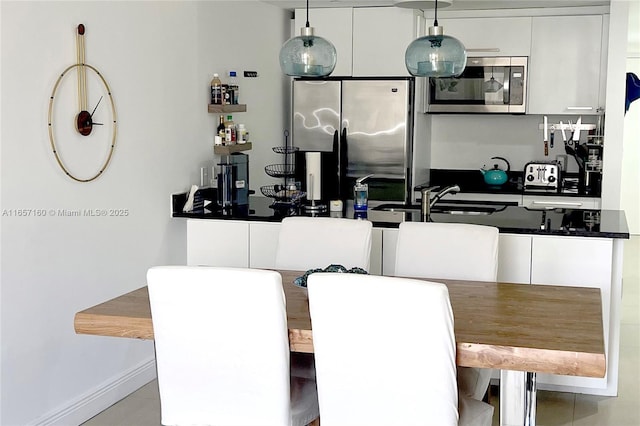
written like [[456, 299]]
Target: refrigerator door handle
[[335, 151], [343, 163]]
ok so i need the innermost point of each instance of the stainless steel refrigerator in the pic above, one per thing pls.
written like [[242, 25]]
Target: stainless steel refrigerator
[[362, 126]]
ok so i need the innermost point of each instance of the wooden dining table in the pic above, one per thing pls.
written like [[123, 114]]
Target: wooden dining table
[[520, 329]]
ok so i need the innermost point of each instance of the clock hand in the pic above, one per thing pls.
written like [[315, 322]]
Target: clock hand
[[94, 110]]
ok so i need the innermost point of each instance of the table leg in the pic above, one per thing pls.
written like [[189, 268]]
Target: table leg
[[517, 398], [531, 399]]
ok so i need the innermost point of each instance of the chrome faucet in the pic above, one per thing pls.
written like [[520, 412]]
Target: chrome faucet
[[427, 204]]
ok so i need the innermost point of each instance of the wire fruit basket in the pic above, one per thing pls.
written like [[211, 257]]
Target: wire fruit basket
[[280, 170], [287, 196], [282, 192]]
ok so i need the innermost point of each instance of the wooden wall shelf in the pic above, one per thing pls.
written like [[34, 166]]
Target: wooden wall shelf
[[217, 109], [230, 149]]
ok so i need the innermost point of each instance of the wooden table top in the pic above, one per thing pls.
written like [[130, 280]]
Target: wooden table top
[[544, 329]]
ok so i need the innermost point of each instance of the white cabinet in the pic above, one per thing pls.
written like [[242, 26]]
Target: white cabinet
[[509, 36], [217, 243], [389, 241], [565, 65], [580, 262], [370, 41], [545, 201], [334, 25], [263, 242], [514, 258], [375, 263], [381, 36], [248, 244]]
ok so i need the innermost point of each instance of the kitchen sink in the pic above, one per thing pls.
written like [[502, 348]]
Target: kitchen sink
[[445, 208], [402, 208], [466, 212]]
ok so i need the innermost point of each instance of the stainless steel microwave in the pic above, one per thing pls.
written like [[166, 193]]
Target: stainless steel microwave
[[487, 85]]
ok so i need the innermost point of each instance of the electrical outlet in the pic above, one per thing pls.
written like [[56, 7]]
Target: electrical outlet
[[251, 73]]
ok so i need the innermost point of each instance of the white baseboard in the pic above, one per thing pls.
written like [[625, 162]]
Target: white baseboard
[[100, 398]]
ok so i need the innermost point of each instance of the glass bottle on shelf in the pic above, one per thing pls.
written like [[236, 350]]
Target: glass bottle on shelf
[[216, 90], [220, 131], [233, 88], [229, 131]]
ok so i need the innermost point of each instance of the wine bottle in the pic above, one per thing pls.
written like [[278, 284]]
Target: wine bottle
[[220, 129]]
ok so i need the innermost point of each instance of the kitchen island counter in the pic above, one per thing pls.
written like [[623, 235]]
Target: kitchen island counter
[[507, 218]]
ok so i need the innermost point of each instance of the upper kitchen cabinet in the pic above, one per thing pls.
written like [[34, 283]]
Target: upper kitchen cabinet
[[370, 41], [334, 25], [566, 65], [381, 36], [510, 36]]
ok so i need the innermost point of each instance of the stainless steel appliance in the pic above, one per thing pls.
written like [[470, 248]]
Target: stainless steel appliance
[[361, 126], [542, 176], [487, 85]]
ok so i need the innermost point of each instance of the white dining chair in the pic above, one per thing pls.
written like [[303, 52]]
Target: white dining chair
[[386, 353], [455, 251], [222, 349], [317, 242]]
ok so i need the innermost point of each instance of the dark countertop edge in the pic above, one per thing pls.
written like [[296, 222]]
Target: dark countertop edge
[[392, 225], [557, 233], [218, 216]]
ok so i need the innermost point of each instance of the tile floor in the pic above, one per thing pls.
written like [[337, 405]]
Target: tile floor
[[142, 408]]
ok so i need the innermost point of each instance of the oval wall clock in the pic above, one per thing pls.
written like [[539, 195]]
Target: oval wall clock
[[86, 121]]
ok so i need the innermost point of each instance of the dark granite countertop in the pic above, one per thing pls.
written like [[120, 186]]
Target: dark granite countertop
[[508, 218]]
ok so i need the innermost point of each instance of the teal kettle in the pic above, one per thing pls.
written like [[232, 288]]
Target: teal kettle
[[496, 176]]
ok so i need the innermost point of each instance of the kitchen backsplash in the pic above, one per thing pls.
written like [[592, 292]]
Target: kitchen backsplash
[[468, 142]]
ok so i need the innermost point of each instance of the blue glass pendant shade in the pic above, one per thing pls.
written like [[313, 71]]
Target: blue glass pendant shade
[[435, 55], [308, 55]]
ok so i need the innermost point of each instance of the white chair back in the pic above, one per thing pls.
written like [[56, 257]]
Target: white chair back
[[447, 250], [317, 242], [222, 348], [385, 350], [454, 251]]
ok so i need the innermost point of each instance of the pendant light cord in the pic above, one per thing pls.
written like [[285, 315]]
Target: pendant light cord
[[308, 13], [435, 19]]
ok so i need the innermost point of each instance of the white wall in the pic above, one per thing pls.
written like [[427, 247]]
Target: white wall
[[158, 58], [630, 191], [469, 141], [247, 36], [614, 107]]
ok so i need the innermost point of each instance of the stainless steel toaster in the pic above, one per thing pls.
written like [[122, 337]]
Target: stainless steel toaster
[[542, 176]]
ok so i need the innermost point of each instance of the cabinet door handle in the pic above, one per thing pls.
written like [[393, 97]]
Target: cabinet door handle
[[580, 108], [558, 203]]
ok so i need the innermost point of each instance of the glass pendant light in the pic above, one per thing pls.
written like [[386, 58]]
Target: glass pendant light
[[492, 85], [308, 55], [436, 55]]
